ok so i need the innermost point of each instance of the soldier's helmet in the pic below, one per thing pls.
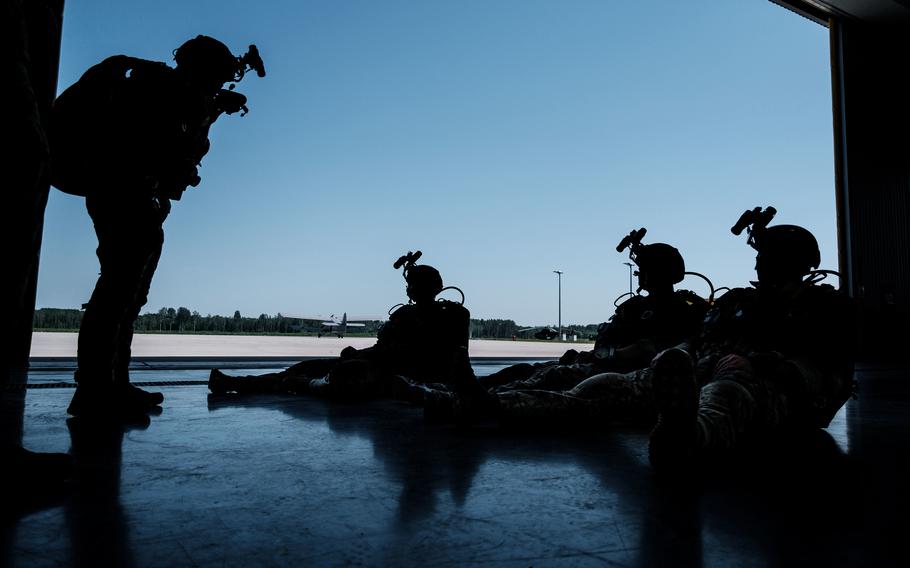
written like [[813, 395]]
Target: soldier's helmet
[[207, 57], [424, 282], [660, 263], [787, 249]]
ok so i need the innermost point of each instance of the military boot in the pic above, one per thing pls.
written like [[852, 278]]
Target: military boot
[[135, 395], [105, 400], [139, 397], [219, 383]]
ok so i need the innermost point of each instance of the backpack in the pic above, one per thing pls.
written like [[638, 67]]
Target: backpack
[[81, 130]]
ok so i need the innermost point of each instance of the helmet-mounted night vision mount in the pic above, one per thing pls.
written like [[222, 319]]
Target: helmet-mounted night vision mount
[[250, 61], [754, 221], [407, 261], [229, 100], [632, 241]]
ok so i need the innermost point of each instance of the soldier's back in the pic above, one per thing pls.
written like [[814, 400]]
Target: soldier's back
[[422, 339]]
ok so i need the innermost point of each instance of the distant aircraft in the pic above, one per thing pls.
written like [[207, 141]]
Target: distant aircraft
[[541, 332], [330, 325], [336, 327]]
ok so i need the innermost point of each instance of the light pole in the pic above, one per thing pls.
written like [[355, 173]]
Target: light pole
[[559, 281], [629, 264]]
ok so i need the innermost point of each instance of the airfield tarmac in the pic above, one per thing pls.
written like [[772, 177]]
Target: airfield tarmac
[[47, 345], [178, 359]]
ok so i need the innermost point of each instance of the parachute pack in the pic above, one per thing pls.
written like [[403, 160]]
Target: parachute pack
[[79, 129]]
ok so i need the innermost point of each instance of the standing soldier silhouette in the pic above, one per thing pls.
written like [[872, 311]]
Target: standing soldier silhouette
[[641, 327], [128, 136]]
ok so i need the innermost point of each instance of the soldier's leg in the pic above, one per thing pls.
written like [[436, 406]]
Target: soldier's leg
[[543, 409], [727, 406], [269, 383], [622, 397], [312, 368], [293, 380], [149, 244], [518, 372], [745, 400], [596, 401], [353, 379], [735, 404], [111, 302], [553, 378]]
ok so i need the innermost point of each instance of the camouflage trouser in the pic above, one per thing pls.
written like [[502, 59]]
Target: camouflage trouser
[[552, 377], [597, 400], [513, 373], [739, 401]]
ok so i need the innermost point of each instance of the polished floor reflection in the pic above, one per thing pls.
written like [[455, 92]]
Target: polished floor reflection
[[273, 480]]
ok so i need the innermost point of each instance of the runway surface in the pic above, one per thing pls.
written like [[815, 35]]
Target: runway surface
[[63, 345]]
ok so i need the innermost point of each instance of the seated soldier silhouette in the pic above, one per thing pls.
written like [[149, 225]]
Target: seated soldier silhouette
[[772, 356], [642, 326], [128, 136], [612, 381], [425, 341]]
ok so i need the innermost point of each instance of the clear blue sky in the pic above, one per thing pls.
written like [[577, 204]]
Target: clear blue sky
[[505, 139]]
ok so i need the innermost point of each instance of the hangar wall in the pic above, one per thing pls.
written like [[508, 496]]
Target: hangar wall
[[31, 32], [872, 143]]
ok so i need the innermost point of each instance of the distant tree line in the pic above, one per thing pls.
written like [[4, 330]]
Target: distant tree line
[[585, 331], [57, 318], [495, 328], [183, 320]]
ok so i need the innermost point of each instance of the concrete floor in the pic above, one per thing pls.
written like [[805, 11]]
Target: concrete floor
[[271, 480]]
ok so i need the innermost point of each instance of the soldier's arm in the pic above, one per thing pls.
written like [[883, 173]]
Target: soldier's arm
[[463, 329], [642, 350], [611, 332], [393, 335], [689, 327]]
